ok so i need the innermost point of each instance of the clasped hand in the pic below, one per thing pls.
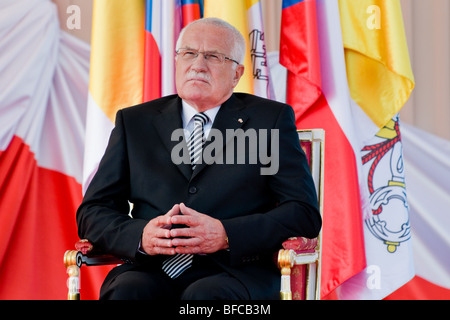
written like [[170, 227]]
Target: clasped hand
[[202, 234]]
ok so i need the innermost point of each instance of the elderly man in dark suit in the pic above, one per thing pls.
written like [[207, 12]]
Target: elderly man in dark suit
[[202, 225]]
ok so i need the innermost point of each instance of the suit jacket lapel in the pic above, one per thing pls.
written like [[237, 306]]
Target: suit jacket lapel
[[166, 123]]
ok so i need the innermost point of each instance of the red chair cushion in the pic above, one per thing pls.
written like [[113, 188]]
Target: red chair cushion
[[300, 244], [84, 246]]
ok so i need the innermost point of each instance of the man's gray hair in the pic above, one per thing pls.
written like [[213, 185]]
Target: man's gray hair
[[238, 50]]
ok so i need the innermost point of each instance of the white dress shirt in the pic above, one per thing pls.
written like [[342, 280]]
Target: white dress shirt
[[187, 114]]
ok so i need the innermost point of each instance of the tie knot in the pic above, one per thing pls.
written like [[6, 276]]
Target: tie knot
[[200, 119]]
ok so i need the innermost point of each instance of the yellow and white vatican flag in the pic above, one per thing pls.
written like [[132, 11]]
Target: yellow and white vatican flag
[[380, 81], [116, 73], [246, 16]]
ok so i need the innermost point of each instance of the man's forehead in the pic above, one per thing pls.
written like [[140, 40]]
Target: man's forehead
[[205, 32], [208, 38]]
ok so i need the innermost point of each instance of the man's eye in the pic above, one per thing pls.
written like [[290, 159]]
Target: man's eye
[[212, 56], [189, 53]]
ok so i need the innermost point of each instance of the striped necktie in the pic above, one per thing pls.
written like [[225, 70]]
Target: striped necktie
[[176, 265], [197, 138]]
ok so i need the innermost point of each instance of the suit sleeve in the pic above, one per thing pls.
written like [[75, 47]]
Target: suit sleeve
[[297, 212], [103, 217]]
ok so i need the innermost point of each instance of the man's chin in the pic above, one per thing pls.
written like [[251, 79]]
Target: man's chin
[[194, 94]]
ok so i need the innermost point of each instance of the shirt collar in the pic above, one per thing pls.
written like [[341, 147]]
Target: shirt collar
[[188, 112]]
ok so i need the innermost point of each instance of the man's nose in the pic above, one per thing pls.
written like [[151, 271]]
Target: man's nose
[[199, 63]]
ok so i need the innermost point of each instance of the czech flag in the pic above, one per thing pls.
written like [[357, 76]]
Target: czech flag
[[191, 10]]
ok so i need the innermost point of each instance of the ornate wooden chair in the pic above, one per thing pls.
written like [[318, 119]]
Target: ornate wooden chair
[[300, 258]]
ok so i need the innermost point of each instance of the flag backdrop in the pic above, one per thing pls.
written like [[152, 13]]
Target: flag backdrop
[[380, 81], [361, 191], [191, 10], [44, 81], [348, 72], [299, 53], [115, 81], [160, 38], [427, 164], [116, 74], [246, 16], [342, 249]]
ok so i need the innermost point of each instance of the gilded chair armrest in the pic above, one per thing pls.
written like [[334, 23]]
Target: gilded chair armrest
[[84, 253]]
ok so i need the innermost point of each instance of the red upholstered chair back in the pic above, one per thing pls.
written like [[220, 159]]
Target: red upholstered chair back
[[300, 258]]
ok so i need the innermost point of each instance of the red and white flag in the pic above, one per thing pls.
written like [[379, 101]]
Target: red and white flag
[[427, 172], [43, 98]]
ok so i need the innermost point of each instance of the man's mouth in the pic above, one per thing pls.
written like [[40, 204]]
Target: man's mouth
[[198, 80]]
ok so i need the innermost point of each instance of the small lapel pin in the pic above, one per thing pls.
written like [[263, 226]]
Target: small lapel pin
[[240, 120]]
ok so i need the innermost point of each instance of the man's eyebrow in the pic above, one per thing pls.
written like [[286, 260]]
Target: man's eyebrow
[[208, 51]]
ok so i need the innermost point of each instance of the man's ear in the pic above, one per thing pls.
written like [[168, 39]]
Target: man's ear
[[238, 74]]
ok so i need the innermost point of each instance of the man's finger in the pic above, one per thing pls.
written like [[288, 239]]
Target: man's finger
[[185, 242], [174, 211], [185, 220], [162, 233], [165, 251], [161, 221], [189, 217], [163, 243], [182, 232], [164, 221], [188, 211]]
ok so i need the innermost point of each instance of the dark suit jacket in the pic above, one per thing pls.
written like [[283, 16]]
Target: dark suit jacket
[[258, 211]]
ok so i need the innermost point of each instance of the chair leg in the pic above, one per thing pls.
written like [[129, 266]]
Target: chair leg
[[73, 270], [285, 263], [73, 282]]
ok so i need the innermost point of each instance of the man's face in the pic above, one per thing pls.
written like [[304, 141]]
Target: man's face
[[202, 84]]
